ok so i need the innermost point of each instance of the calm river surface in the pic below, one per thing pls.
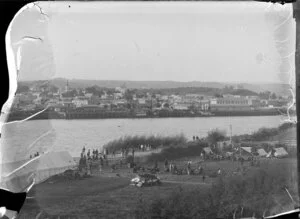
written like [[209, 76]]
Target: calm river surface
[[23, 139]]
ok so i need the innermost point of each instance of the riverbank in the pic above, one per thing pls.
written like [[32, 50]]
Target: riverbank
[[15, 116]]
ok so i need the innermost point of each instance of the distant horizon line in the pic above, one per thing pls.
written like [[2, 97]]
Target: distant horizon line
[[224, 82]]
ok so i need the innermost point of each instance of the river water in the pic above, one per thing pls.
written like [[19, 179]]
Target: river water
[[23, 139]]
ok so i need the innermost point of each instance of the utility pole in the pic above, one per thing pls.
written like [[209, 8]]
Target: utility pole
[[230, 134]]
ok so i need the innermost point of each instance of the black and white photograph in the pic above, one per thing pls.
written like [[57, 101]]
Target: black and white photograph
[[151, 110]]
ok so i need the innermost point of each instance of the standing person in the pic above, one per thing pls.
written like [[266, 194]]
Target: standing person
[[89, 166], [166, 165], [200, 169], [101, 164], [171, 167], [133, 152], [101, 161], [189, 168], [88, 154], [155, 165], [203, 178]]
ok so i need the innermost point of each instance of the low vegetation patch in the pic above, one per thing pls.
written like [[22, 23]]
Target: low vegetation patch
[[136, 141], [173, 153], [265, 134]]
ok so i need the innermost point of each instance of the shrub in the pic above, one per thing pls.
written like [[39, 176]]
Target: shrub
[[137, 141], [216, 135], [172, 153], [264, 134], [286, 126]]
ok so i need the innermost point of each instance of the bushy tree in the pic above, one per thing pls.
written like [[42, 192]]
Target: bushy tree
[[216, 135]]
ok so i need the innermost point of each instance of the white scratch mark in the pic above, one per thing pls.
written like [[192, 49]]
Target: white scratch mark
[[20, 121], [38, 139]]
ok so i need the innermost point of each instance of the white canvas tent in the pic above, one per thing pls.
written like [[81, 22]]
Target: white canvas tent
[[207, 150], [262, 153], [43, 167], [280, 152], [247, 149]]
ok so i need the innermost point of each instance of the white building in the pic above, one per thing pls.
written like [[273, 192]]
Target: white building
[[121, 90], [80, 101], [141, 100], [88, 95], [181, 106]]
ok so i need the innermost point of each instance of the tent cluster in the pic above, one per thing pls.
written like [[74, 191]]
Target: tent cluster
[[145, 180], [242, 153]]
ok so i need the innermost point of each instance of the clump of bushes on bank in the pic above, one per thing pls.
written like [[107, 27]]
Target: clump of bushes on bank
[[260, 192], [137, 141], [264, 134], [173, 153], [216, 135]]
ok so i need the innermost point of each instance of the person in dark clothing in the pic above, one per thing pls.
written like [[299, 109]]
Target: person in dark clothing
[[97, 154], [101, 161], [133, 152], [203, 177]]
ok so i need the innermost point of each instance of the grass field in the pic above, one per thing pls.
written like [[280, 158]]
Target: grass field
[[95, 197], [110, 196]]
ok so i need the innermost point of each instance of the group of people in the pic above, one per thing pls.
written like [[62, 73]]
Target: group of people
[[146, 147], [94, 155], [86, 158], [195, 138], [35, 155], [125, 152]]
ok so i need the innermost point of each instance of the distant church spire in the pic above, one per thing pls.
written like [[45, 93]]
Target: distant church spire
[[67, 86]]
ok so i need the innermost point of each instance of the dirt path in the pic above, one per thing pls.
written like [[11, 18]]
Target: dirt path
[[184, 182]]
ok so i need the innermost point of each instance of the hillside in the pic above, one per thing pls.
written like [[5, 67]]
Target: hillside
[[279, 89]]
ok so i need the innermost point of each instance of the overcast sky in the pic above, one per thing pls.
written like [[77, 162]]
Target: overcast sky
[[179, 41]]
